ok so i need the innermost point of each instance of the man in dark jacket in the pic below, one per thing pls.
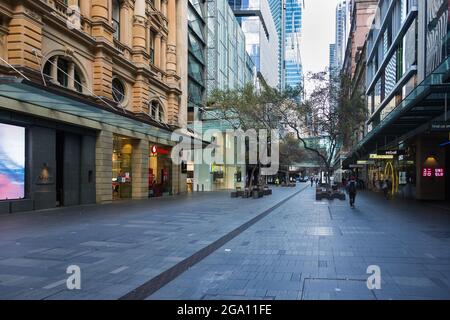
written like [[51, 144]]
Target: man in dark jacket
[[351, 189]]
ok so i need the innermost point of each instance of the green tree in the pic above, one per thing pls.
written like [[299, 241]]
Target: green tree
[[319, 123]]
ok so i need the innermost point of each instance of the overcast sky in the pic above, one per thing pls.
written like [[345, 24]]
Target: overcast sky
[[318, 32]]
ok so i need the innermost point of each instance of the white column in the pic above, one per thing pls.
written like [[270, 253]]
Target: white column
[[71, 77], [54, 69]]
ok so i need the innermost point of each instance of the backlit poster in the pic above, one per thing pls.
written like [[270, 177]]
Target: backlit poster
[[12, 162]]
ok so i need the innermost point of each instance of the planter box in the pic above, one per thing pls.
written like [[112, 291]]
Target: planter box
[[237, 194], [257, 194], [246, 194]]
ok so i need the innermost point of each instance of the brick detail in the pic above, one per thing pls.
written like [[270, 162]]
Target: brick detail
[[102, 77], [25, 34]]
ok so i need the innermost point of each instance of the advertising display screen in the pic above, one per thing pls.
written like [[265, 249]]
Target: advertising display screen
[[12, 162]]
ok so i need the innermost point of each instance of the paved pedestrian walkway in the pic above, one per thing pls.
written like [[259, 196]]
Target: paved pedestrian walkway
[[117, 246], [321, 250]]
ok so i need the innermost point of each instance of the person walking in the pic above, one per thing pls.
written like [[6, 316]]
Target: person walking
[[385, 188], [312, 181], [351, 189]]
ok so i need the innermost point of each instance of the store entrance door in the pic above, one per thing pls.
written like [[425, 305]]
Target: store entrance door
[[68, 168], [59, 168]]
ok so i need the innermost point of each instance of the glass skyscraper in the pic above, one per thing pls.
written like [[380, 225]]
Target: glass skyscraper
[[196, 56], [261, 36], [293, 29], [276, 7], [229, 64], [342, 31]]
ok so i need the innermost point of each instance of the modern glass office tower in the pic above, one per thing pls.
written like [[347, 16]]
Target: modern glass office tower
[[342, 30], [229, 66], [261, 36], [332, 62], [276, 8], [293, 33], [196, 57]]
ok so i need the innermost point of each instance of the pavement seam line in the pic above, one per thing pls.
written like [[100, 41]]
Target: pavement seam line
[[148, 288]]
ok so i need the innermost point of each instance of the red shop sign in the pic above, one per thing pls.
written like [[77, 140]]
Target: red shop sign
[[158, 150], [433, 172]]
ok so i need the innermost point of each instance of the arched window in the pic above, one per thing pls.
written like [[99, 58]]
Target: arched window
[[157, 111], [116, 18], [118, 90], [64, 71]]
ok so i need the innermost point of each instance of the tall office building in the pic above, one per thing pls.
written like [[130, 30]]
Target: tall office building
[[229, 66], [332, 59], [342, 30], [278, 14], [196, 57], [293, 76], [261, 36]]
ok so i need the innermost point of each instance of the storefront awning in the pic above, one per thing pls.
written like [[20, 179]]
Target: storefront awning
[[424, 104], [26, 92]]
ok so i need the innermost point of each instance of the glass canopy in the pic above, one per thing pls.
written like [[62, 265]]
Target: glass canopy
[[28, 93]]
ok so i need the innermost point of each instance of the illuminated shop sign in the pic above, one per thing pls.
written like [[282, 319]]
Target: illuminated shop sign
[[12, 162], [157, 150], [391, 152], [381, 156], [433, 172]]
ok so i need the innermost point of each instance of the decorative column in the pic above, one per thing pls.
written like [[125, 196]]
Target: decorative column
[[71, 77], [172, 38], [125, 25], [54, 69], [85, 8], [157, 57], [100, 10], [163, 54], [101, 20], [139, 30], [164, 7]]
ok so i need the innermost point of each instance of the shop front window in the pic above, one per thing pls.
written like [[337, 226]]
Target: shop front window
[[159, 171], [121, 163]]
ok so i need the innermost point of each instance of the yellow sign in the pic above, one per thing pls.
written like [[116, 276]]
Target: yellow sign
[[381, 156]]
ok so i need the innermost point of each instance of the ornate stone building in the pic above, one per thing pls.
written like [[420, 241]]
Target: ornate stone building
[[124, 59]]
